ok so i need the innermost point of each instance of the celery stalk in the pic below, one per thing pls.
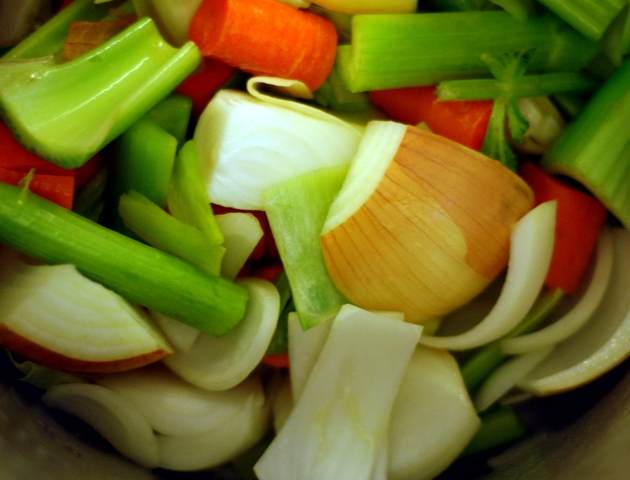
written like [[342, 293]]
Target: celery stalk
[[393, 51], [297, 209], [591, 18], [165, 232], [173, 115], [498, 426], [595, 149], [187, 198], [50, 37], [525, 86], [67, 112], [142, 274]]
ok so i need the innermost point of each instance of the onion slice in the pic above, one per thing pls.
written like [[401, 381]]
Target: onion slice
[[221, 363], [572, 321], [111, 415], [601, 344], [531, 247]]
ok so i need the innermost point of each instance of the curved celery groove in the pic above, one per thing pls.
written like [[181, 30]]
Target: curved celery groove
[[67, 112], [142, 274]]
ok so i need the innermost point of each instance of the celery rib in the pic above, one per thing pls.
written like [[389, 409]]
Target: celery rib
[[394, 51]]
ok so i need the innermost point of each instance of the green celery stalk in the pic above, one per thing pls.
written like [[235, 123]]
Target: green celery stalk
[[66, 113], [499, 426], [333, 94], [393, 51], [589, 17], [187, 197], [138, 272], [594, 150], [461, 5], [163, 231], [520, 9], [144, 156], [525, 86], [50, 37], [297, 210], [173, 115]]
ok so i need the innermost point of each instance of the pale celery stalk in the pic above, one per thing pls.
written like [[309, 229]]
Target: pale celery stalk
[[187, 198], [297, 209], [393, 51], [161, 230]]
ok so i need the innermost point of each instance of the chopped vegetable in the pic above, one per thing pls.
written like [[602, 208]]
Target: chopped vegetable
[[464, 122], [393, 51], [139, 273], [265, 37], [128, 75], [56, 188], [579, 219]]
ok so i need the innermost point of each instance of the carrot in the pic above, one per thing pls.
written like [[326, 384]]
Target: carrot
[[278, 360], [268, 271], [56, 188], [13, 156], [266, 37], [201, 85], [579, 219], [463, 121]]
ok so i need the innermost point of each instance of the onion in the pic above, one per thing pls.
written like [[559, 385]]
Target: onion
[[415, 227]]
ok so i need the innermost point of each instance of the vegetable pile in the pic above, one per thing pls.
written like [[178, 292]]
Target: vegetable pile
[[307, 241]]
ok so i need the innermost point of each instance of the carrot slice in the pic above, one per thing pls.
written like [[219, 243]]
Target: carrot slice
[[465, 122], [56, 188], [579, 219], [201, 85], [278, 360], [266, 37]]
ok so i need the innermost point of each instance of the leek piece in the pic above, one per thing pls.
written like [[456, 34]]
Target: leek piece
[[589, 18], [187, 197], [142, 274], [393, 51], [499, 426], [617, 37], [66, 113], [520, 9], [526, 86], [161, 230], [50, 37], [339, 425], [594, 150], [297, 210], [40, 376], [477, 368]]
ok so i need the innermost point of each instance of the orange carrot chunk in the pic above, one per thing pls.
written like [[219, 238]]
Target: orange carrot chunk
[[266, 37], [465, 122], [579, 219]]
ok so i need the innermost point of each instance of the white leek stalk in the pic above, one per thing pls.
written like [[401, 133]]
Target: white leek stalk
[[246, 145], [530, 255], [545, 124], [338, 428]]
